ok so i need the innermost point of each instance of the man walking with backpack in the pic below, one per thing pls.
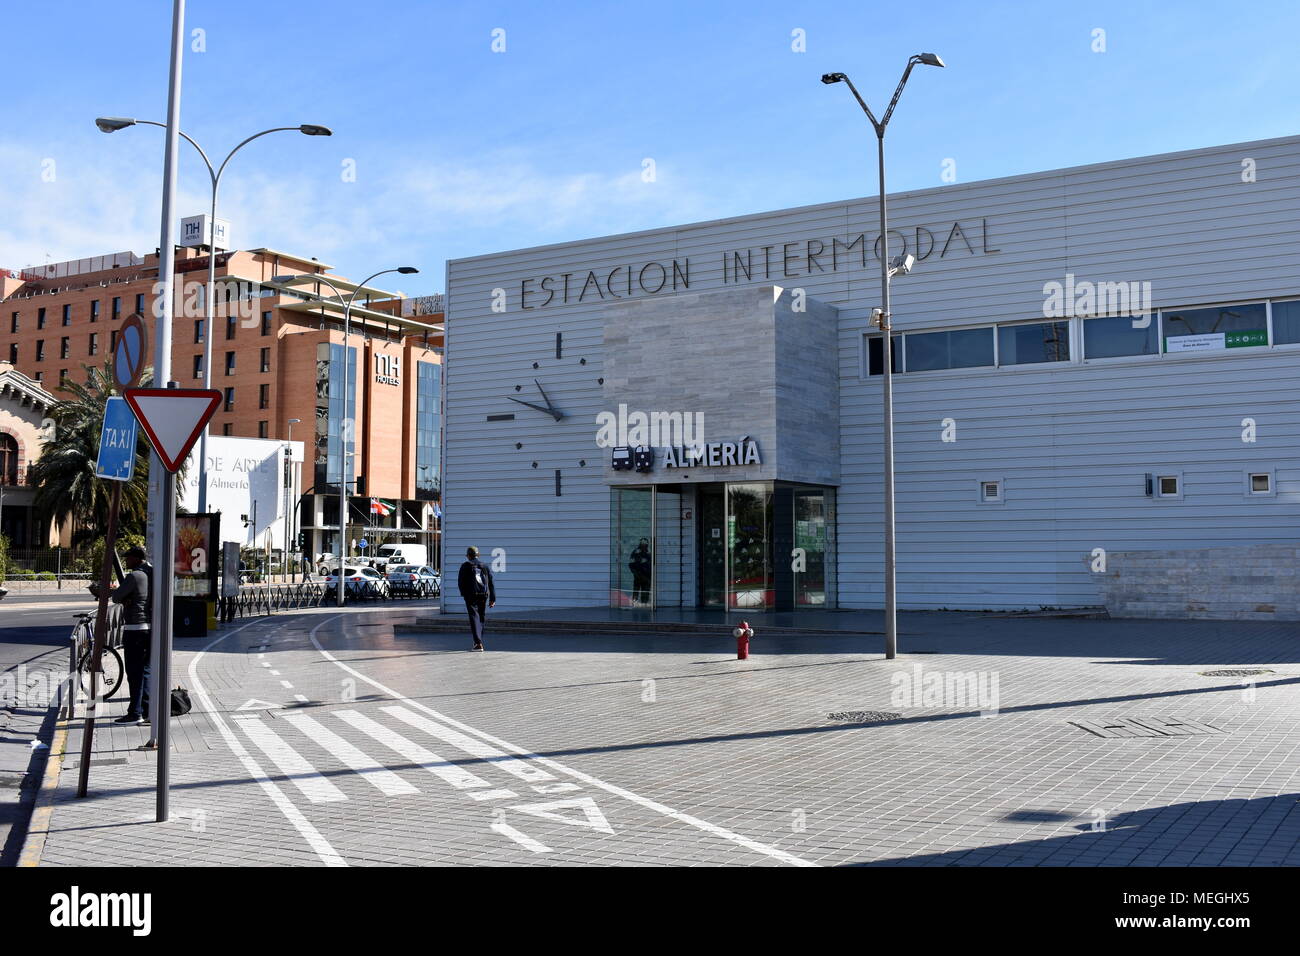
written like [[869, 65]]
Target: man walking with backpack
[[478, 590]]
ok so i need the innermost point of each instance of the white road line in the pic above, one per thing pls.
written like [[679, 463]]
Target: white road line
[[275, 673], [710, 828], [475, 748], [388, 782], [291, 763], [328, 855], [492, 794], [285, 684], [457, 776], [300, 698], [522, 839]]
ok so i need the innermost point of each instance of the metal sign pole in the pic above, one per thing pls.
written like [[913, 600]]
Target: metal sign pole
[[164, 502], [162, 704], [98, 637]]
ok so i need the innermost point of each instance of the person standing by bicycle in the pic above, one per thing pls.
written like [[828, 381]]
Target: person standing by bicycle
[[135, 594]]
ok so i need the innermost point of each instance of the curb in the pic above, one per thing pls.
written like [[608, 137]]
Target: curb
[[522, 625], [38, 827]]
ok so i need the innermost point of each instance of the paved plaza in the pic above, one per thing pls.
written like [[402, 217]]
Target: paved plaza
[[998, 740]]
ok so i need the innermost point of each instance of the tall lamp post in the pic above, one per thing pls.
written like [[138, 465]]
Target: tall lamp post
[[111, 124], [288, 481], [347, 329], [887, 269]]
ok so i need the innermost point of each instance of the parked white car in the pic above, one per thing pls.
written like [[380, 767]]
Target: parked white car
[[399, 553], [362, 582], [418, 579]]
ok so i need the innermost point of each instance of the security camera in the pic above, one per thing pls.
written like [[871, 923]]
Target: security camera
[[902, 265]]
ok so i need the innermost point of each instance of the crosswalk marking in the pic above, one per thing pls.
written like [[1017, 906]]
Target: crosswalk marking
[[388, 782], [492, 794], [292, 764], [457, 776], [471, 746]]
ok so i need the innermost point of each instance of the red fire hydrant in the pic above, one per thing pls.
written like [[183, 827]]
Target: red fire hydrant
[[743, 633]]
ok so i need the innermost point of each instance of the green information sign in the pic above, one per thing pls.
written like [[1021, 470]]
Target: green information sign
[[1236, 340]]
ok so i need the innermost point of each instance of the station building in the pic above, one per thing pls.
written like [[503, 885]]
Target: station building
[[277, 355], [1095, 364]]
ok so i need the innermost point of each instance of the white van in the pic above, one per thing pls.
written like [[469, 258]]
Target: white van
[[400, 554]]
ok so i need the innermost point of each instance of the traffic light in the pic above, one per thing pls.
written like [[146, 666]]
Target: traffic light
[[360, 486], [302, 540]]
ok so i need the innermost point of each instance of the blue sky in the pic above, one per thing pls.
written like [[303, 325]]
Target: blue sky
[[461, 151]]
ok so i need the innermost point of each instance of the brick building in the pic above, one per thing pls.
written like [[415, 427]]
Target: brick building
[[276, 355]]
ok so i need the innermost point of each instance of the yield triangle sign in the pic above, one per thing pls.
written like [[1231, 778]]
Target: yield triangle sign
[[591, 815], [172, 418]]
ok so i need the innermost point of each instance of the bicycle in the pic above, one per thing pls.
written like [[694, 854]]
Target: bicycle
[[111, 668]]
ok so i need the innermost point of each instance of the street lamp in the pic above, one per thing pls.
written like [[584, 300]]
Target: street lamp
[[887, 269], [111, 124], [283, 280], [288, 480]]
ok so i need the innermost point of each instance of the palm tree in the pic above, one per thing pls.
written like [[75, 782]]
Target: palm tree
[[64, 475]]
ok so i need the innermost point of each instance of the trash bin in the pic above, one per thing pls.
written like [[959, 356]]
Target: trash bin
[[189, 618]]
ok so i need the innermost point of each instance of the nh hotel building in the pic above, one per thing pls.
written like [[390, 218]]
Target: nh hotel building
[[691, 416]]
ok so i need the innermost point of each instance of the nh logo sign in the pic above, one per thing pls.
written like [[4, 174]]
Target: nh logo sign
[[388, 369]]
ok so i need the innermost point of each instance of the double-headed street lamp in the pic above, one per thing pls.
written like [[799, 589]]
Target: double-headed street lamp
[[887, 269], [286, 280], [111, 124]]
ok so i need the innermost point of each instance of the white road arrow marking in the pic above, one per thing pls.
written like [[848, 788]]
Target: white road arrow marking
[[255, 704], [592, 817]]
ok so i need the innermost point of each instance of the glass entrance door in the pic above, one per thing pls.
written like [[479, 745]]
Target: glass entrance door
[[749, 546], [631, 554], [711, 509]]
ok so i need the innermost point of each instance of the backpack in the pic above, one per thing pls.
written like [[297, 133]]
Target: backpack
[[480, 581]]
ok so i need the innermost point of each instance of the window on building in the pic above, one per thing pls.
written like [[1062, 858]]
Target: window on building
[[112, 341], [230, 363], [264, 396], [198, 331], [1286, 322], [1037, 342], [876, 354], [266, 360], [1259, 483], [991, 491], [262, 431], [8, 459], [94, 310], [226, 428], [65, 346], [40, 350], [958, 348], [117, 307], [13, 322], [67, 315], [198, 366], [39, 376], [1217, 327], [266, 323], [1168, 486], [139, 302], [93, 345], [1113, 336], [230, 399], [232, 322], [40, 318], [428, 459], [63, 376], [13, 352]]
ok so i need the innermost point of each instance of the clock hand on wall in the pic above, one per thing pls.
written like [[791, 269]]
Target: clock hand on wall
[[548, 407]]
